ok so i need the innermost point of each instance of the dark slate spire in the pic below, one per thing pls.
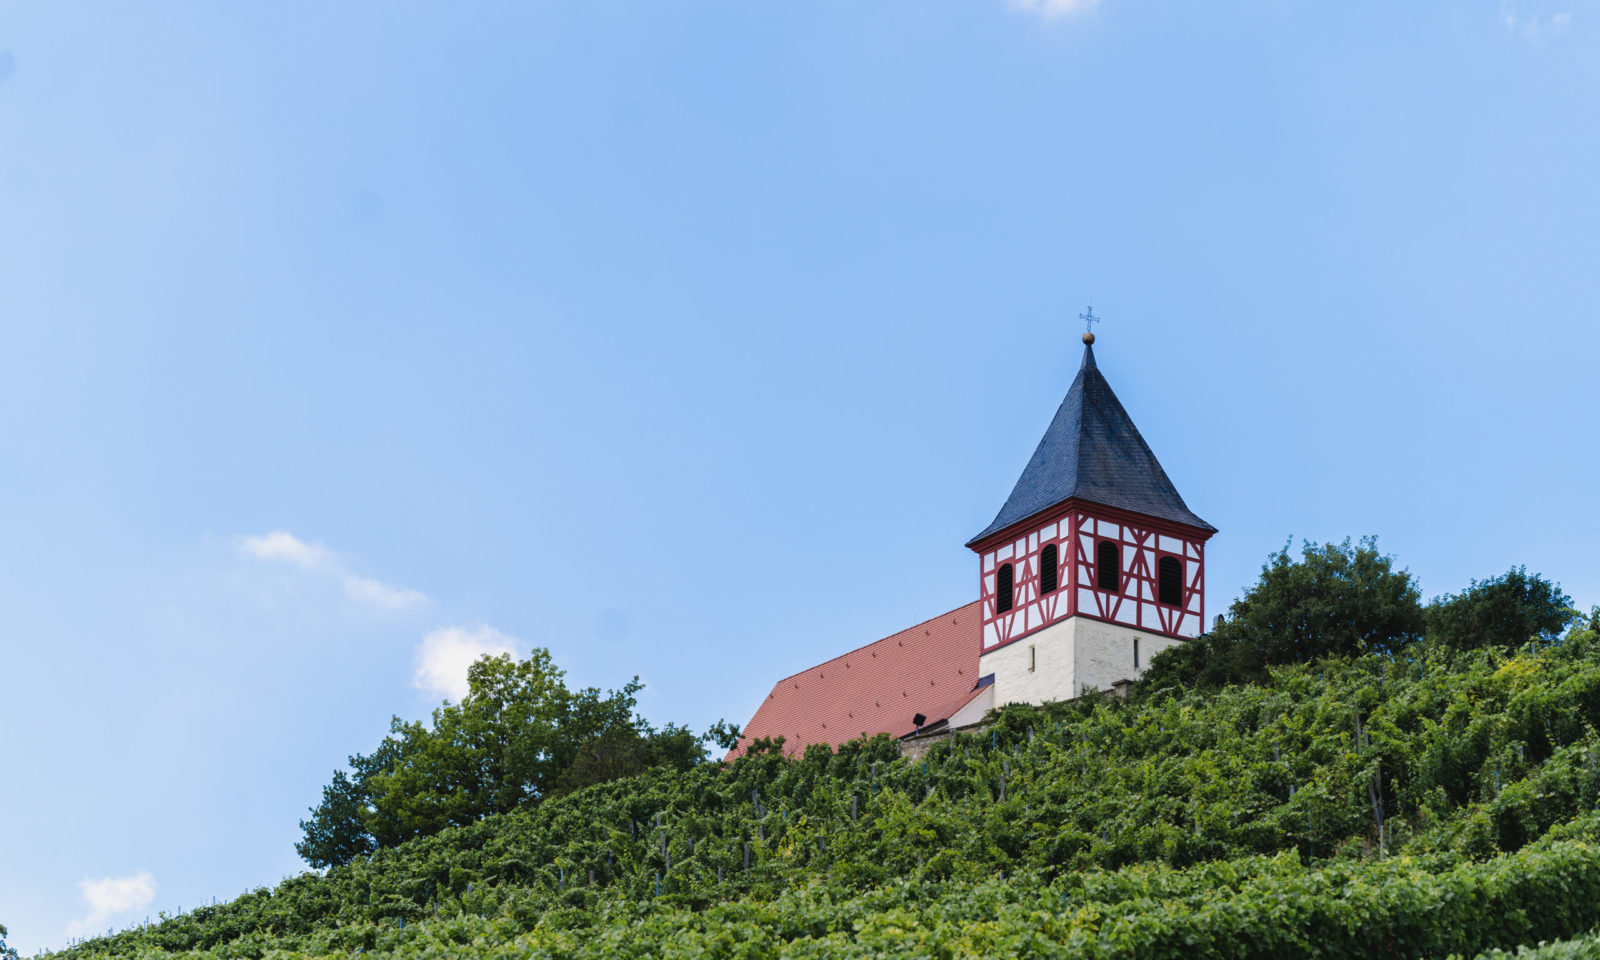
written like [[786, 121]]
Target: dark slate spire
[[1093, 452]]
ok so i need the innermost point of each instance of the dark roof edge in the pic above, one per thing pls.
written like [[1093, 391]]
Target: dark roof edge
[[957, 707], [1010, 530]]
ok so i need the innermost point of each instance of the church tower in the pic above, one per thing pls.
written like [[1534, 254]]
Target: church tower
[[1094, 564]]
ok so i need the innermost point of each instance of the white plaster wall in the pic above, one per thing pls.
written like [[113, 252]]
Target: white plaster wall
[[1052, 676], [1067, 657], [975, 709], [1104, 652]]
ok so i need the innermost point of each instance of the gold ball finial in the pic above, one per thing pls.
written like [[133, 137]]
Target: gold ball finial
[[1089, 320]]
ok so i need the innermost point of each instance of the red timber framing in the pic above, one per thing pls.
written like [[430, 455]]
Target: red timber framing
[[1077, 528]]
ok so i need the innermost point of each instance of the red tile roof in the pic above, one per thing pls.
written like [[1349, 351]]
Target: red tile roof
[[931, 669]]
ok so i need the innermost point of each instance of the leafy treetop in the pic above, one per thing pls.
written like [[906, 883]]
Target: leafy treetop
[[519, 736], [1505, 611], [1336, 600]]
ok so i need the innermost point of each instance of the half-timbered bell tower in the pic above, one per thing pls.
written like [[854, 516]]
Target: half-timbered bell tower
[[1094, 564]]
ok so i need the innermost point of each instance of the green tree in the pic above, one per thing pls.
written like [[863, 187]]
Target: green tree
[[518, 736], [1336, 600], [336, 832], [491, 752], [1504, 611], [724, 734], [6, 953]]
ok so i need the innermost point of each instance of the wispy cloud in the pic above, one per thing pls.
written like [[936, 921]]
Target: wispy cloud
[[446, 653], [110, 897], [377, 594], [1050, 9], [281, 546], [1533, 26]]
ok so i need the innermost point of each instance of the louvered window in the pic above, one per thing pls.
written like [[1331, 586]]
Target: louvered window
[[1002, 589], [1169, 581], [1048, 572], [1107, 572]]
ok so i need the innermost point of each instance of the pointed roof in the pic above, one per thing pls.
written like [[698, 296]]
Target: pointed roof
[[1093, 452]]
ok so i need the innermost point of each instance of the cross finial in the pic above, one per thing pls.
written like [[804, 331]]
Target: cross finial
[[1089, 320]]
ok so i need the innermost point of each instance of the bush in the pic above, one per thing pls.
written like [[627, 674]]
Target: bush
[[1367, 806], [1504, 611], [1336, 600]]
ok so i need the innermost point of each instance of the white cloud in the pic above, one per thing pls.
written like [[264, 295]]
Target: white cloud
[[1534, 26], [1050, 9], [376, 594], [446, 653], [281, 546], [285, 547], [109, 897]]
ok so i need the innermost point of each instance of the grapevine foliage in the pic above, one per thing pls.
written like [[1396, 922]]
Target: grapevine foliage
[[1377, 806]]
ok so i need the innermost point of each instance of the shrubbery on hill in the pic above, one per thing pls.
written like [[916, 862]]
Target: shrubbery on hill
[[1344, 600], [1504, 611], [1337, 771], [1337, 600], [1240, 821]]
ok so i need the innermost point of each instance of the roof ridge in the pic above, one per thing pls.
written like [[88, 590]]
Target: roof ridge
[[877, 641]]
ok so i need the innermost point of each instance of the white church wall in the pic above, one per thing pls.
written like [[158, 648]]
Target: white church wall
[[1049, 654], [1067, 657], [975, 708], [1104, 652]]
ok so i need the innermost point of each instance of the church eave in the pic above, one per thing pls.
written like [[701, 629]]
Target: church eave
[[985, 541]]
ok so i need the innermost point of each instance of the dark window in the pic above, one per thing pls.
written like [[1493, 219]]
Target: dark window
[[1108, 568], [1002, 589], [1135, 653], [1047, 568], [1169, 582]]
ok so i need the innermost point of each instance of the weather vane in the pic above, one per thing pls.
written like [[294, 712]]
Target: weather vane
[[1089, 320]]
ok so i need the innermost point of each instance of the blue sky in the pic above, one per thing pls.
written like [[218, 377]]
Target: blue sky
[[693, 340]]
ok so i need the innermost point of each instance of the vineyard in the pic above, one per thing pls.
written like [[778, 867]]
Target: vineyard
[[1431, 804]]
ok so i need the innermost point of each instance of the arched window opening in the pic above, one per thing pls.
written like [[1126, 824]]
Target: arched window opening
[[1169, 582], [1048, 568], [1107, 567], [1002, 589]]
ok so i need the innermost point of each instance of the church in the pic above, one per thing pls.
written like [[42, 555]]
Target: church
[[1093, 565]]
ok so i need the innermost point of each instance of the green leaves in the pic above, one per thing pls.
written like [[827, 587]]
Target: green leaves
[[335, 833], [1238, 822], [1505, 611], [1337, 600], [518, 737], [1250, 908]]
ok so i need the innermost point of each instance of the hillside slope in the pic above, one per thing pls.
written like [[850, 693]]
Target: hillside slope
[[1443, 805]]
